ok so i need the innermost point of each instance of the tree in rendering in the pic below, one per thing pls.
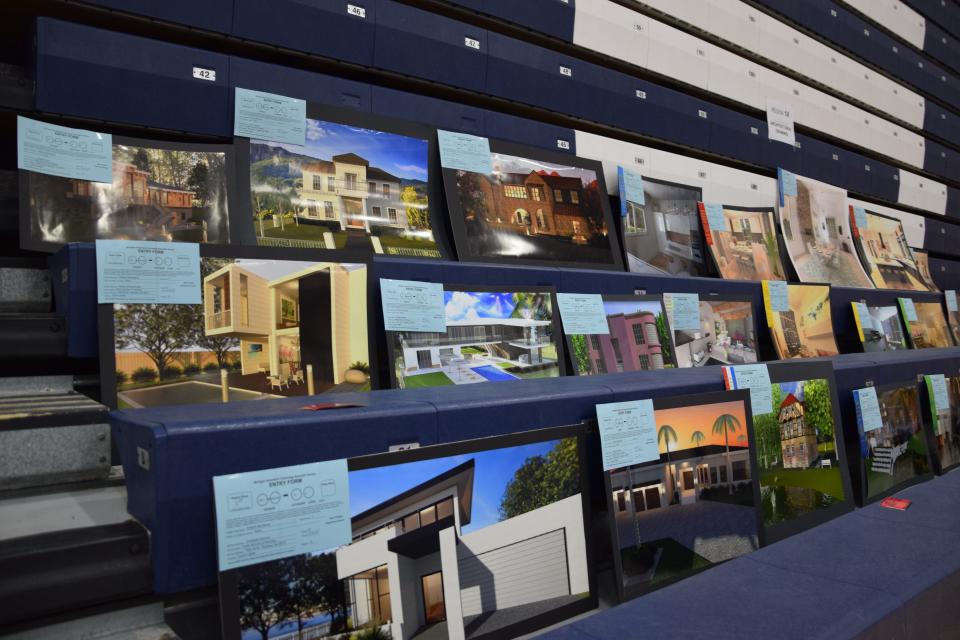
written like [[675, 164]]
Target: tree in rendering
[[666, 341], [543, 480], [260, 590], [581, 354], [415, 202], [818, 408], [199, 182], [156, 330], [696, 438], [767, 430], [665, 434], [726, 424], [303, 597]]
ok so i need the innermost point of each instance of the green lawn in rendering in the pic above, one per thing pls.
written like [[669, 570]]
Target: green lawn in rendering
[[549, 352], [312, 232], [825, 480], [550, 372], [473, 351], [435, 379], [388, 241], [903, 468]]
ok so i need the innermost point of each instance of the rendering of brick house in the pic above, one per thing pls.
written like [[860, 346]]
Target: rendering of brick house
[[798, 440], [160, 209], [347, 191], [633, 344], [410, 565], [285, 323], [535, 203]]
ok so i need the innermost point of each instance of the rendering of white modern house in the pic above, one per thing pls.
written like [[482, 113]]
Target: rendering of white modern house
[[411, 566], [315, 315], [346, 190], [472, 349]]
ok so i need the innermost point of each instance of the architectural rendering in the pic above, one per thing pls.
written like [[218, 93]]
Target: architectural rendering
[[816, 229], [664, 235], [165, 195], [693, 507], [745, 248], [637, 340], [727, 335], [347, 188], [533, 210], [886, 254], [275, 327], [490, 337], [947, 428], [929, 330], [467, 546], [896, 452], [880, 328], [805, 330]]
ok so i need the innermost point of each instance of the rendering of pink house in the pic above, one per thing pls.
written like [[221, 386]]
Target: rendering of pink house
[[633, 344]]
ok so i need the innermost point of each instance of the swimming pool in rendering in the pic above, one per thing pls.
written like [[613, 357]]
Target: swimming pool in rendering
[[493, 373]]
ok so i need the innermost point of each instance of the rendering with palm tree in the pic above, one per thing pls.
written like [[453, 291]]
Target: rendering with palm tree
[[694, 506]]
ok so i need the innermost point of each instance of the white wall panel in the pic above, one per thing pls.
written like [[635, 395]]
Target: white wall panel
[[895, 16]]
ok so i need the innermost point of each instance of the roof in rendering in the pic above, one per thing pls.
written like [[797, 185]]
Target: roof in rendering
[[152, 184], [789, 400], [319, 166], [459, 477], [376, 173], [351, 158]]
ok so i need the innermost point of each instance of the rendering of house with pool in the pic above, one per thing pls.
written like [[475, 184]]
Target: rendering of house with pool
[[490, 337]]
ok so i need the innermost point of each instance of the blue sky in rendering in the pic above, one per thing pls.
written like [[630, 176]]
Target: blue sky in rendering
[[470, 305], [402, 156], [494, 469], [796, 388], [631, 306]]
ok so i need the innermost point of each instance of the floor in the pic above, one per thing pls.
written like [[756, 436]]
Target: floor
[[501, 619], [717, 531]]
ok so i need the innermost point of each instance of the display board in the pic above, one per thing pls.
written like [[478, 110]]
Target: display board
[[884, 251], [359, 183], [271, 324], [727, 334], [804, 329], [536, 207], [929, 330], [462, 539], [663, 233], [695, 506], [814, 223], [494, 334], [161, 191], [638, 338], [745, 247]]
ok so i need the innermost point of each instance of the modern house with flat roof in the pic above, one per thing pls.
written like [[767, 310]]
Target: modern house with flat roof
[[411, 566], [314, 316], [633, 344], [348, 192], [518, 340]]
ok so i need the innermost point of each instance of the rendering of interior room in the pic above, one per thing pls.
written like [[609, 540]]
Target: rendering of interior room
[[277, 328], [805, 330], [727, 335], [663, 235], [694, 507], [746, 247], [930, 330], [881, 327], [816, 229], [887, 256], [896, 452], [490, 337]]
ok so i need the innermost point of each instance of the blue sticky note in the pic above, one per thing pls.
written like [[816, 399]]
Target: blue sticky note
[[144, 272], [715, 216], [464, 152], [778, 295], [756, 378], [268, 116], [583, 314], [864, 319], [628, 433], [65, 152], [631, 188], [277, 513], [860, 218], [409, 305], [683, 311], [937, 384], [951, 296], [909, 311], [868, 409], [787, 182]]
